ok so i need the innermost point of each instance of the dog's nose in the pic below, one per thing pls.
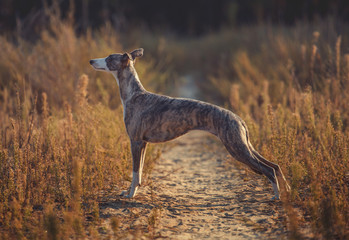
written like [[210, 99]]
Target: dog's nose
[[92, 61]]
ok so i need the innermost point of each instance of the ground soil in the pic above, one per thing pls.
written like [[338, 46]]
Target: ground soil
[[196, 192]]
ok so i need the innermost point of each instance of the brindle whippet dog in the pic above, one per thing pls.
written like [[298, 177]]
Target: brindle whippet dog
[[155, 118]]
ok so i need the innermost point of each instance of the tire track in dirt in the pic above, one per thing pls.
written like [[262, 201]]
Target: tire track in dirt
[[194, 192]]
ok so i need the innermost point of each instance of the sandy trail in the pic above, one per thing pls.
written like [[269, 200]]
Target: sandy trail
[[196, 193]]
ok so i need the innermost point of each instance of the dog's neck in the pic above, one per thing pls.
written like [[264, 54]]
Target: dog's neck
[[129, 84]]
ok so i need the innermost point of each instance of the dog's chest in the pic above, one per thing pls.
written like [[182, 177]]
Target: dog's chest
[[128, 116]]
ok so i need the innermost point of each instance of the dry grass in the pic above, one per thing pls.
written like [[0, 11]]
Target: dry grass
[[63, 144], [294, 97]]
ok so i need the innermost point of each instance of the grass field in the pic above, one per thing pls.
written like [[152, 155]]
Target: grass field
[[63, 144]]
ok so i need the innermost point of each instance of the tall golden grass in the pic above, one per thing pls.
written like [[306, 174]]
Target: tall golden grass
[[63, 143], [294, 97]]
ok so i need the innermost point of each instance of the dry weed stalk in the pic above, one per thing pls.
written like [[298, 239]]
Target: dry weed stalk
[[338, 57]]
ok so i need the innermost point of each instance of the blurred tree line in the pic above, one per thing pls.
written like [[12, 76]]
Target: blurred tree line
[[193, 17]]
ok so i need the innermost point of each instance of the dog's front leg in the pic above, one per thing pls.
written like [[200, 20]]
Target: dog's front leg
[[138, 152]]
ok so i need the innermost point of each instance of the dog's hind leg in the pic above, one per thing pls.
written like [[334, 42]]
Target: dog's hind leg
[[243, 154], [276, 168], [273, 165], [138, 152]]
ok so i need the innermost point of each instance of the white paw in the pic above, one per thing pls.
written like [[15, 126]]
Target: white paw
[[125, 195]]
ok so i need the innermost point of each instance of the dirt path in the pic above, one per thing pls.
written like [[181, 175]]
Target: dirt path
[[195, 193]]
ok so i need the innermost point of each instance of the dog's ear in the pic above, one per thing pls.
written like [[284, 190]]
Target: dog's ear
[[137, 53], [125, 61]]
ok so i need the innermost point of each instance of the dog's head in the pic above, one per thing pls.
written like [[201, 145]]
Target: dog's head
[[116, 62]]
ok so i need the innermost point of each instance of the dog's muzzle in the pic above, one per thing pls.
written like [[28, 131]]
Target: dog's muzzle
[[96, 65]]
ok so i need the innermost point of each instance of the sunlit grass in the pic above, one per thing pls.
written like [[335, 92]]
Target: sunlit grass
[[294, 99], [63, 142]]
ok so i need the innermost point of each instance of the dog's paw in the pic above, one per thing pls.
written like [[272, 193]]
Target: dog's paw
[[125, 195]]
